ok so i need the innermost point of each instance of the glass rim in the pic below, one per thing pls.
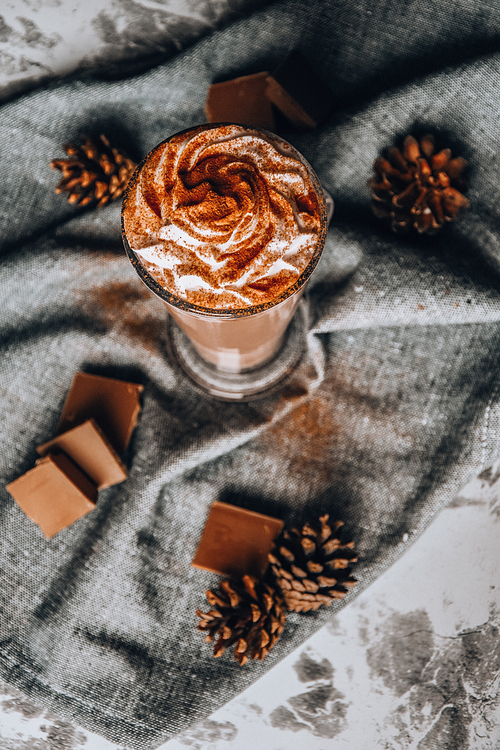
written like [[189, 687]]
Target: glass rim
[[225, 312]]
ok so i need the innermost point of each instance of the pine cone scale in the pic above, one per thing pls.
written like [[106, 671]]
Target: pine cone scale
[[310, 586]]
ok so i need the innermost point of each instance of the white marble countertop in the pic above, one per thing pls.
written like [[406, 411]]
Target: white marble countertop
[[43, 39]]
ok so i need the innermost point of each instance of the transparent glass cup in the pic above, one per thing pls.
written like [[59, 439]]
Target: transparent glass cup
[[236, 354]]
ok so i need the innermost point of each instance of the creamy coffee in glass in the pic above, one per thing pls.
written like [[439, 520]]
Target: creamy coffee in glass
[[226, 223]]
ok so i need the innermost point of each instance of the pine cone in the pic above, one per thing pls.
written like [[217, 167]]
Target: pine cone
[[417, 187], [248, 613], [312, 566], [93, 173]]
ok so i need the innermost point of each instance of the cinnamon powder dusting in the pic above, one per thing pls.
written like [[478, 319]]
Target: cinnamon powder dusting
[[224, 217], [307, 436], [120, 305]]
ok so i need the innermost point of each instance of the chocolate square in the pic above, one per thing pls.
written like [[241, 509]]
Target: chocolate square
[[88, 448], [113, 404], [236, 542], [242, 100], [54, 494], [295, 89]]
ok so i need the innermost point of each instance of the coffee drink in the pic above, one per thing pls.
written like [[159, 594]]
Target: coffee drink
[[226, 223]]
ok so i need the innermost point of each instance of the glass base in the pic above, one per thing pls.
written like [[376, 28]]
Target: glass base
[[242, 386]]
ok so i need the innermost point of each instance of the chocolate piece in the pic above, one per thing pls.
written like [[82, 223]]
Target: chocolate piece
[[89, 449], [298, 93], [54, 494], [113, 404], [242, 100], [236, 542]]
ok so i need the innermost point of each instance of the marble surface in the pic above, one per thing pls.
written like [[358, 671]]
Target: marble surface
[[413, 663], [43, 39]]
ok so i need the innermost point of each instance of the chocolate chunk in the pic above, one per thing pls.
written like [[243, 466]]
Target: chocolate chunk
[[242, 100], [295, 89], [54, 494], [236, 542], [89, 449], [113, 404]]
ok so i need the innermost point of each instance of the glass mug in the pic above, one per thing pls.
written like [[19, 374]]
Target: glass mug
[[235, 354]]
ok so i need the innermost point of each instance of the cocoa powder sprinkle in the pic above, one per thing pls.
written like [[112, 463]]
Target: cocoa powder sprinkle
[[223, 217]]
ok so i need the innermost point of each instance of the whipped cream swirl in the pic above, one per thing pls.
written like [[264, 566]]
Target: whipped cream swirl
[[223, 217]]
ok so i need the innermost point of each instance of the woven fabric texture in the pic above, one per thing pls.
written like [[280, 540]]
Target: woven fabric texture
[[387, 415]]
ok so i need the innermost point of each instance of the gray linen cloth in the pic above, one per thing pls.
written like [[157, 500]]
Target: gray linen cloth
[[385, 418]]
